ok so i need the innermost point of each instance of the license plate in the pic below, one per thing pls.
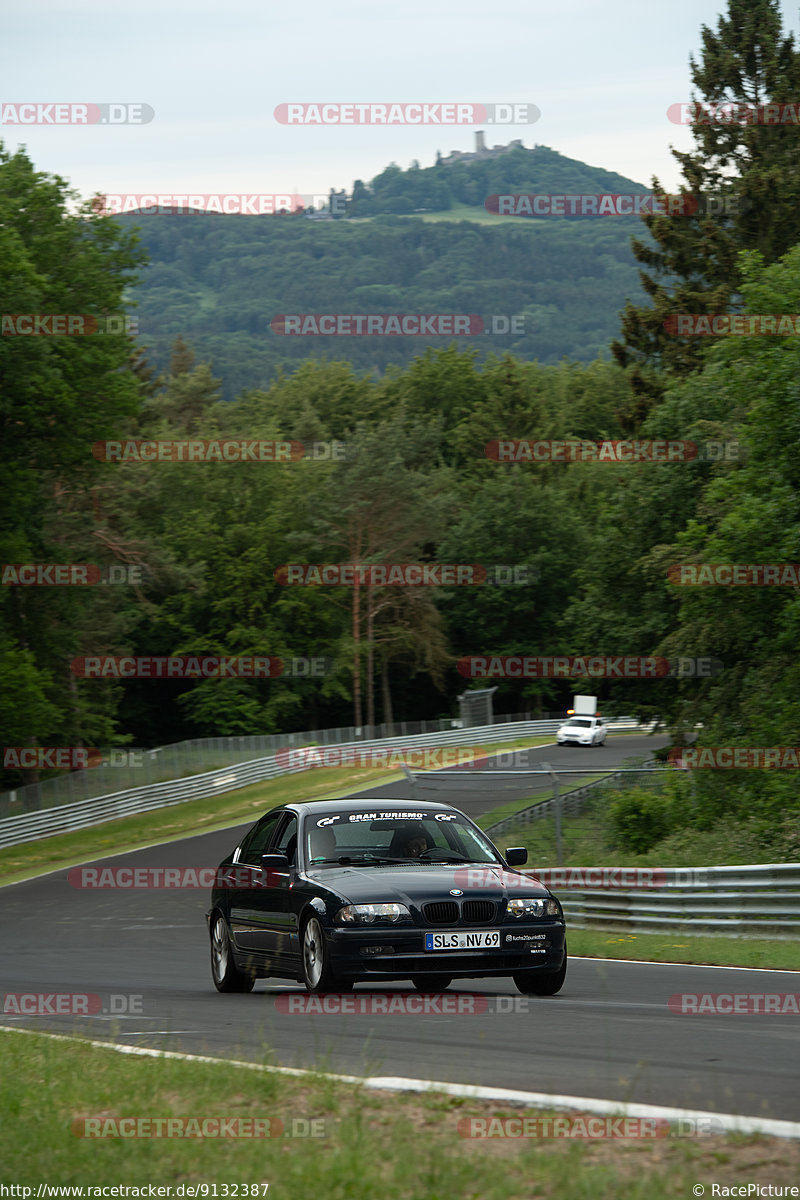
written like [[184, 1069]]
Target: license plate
[[481, 939]]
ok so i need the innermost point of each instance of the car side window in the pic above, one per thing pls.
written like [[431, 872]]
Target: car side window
[[287, 840], [257, 840]]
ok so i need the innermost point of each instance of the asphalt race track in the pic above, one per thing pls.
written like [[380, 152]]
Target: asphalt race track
[[469, 790], [610, 1033]]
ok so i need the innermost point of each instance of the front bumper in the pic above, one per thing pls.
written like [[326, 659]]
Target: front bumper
[[399, 953]]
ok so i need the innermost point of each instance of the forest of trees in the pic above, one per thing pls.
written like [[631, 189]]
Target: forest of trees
[[415, 484], [445, 185], [220, 282]]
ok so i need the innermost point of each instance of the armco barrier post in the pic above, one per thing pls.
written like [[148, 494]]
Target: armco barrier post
[[557, 808]]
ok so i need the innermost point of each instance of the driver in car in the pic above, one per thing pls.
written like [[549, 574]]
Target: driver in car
[[409, 840], [416, 845]]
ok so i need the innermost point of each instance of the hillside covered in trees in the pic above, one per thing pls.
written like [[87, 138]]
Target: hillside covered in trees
[[222, 282], [600, 540]]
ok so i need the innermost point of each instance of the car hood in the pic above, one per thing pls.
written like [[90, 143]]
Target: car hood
[[416, 884]]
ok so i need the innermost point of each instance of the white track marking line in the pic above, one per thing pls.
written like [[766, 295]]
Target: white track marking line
[[731, 1122], [697, 966]]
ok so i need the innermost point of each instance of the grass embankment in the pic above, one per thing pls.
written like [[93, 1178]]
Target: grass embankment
[[375, 1145], [503, 811], [585, 844], [765, 953]]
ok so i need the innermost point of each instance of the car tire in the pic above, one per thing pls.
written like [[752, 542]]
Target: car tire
[[226, 975], [431, 983], [541, 983], [318, 974]]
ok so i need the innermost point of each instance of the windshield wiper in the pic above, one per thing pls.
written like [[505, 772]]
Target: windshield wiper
[[434, 862], [347, 860], [370, 858]]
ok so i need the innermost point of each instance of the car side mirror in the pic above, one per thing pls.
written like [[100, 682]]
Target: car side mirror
[[275, 862], [516, 856]]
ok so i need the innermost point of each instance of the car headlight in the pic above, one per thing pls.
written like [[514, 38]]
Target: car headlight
[[533, 908], [368, 914]]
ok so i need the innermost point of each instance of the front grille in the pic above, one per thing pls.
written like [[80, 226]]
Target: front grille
[[441, 912], [478, 911], [446, 912]]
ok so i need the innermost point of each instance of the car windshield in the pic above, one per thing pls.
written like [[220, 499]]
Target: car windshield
[[398, 837], [579, 721]]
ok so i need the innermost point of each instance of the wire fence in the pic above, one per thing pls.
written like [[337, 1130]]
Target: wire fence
[[577, 801], [63, 816], [124, 769]]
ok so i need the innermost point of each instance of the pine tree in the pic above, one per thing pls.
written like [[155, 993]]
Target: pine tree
[[753, 168]]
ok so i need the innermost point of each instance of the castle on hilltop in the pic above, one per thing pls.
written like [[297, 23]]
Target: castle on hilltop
[[480, 152]]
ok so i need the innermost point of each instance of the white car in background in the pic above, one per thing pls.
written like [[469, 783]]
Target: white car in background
[[582, 731]]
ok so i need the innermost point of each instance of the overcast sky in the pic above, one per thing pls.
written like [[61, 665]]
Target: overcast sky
[[602, 74]]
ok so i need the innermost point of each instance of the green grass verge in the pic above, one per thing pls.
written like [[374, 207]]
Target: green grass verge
[[465, 212], [479, 215], [671, 946], [376, 1146], [503, 811], [194, 816]]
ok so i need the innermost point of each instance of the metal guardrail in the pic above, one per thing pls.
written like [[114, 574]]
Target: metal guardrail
[[728, 901], [130, 767], [26, 827], [684, 900]]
